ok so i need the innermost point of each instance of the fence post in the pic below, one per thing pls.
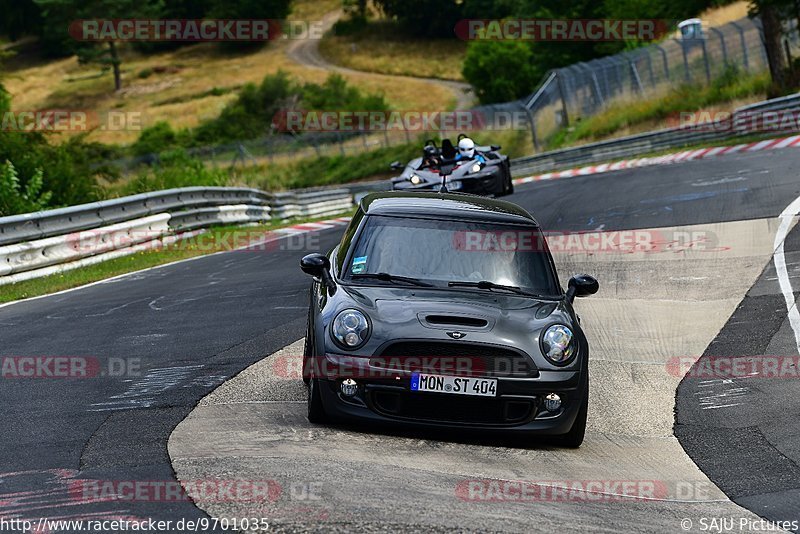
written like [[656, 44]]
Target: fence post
[[666, 61], [650, 67], [687, 73], [743, 41], [705, 60], [635, 77], [565, 113], [722, 44], [532, 120]]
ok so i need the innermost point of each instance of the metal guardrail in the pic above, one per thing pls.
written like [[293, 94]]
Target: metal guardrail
[[42, 243], [311, 203], [739, 124], [49, 223]]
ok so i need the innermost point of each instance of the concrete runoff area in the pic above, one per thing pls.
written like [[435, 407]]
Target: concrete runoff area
[[631, 474]]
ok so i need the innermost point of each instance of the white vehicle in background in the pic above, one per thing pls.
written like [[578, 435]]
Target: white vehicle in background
[[691, 29]]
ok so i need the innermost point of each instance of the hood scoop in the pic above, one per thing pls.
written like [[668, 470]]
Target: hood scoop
[[439, 320]]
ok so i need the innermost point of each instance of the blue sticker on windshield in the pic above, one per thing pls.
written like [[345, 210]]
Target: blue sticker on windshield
[[359, 265]]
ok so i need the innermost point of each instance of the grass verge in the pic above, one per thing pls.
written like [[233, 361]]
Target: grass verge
[[215, 240]]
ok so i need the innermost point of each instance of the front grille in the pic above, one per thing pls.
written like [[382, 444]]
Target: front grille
[[457, 409], [463, 359]]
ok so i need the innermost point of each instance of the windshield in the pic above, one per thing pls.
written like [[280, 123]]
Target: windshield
[[440, 251]]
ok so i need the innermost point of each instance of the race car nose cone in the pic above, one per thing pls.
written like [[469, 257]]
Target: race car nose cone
[[349, 387], [552, 402]]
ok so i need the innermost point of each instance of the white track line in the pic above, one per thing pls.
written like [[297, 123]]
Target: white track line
[[786, 218]]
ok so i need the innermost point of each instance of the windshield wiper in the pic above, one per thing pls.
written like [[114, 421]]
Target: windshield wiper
[[485, 284], [386, 277]]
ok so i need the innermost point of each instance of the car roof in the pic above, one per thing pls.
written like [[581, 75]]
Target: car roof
[[444, 205]]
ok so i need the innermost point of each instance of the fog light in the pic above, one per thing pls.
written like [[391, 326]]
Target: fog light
[[349, 387], [552, 402]]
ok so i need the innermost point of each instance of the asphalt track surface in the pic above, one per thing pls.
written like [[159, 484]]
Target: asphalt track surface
[[192, 325]]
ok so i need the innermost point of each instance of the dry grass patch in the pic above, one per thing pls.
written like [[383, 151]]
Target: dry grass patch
[[383, 49]]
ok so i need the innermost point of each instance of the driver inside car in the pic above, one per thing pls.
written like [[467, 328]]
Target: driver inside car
[[466, 151], [430, 157]]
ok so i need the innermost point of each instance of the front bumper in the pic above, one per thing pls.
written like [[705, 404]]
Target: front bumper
[[517, 409]]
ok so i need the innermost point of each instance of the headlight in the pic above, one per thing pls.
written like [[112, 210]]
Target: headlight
[[557, 344], [415, 179], [476, 168], [350, 329]]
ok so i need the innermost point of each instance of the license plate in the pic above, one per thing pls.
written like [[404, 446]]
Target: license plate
[[455, 385]]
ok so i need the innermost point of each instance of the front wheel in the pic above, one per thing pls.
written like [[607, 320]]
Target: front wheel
[[316, 409], [574, 438]]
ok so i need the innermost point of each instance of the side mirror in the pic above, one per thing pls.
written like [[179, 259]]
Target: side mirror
[[319, 266], [582, 285], [316, 265], [396, 166]]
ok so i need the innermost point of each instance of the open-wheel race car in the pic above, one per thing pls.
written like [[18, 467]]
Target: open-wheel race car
[[479, 170]]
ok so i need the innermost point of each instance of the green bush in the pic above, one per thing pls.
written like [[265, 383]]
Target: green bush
[[176, 169], [5, 100], [159, 138], [67, 167], [14, 198], [252, 113]]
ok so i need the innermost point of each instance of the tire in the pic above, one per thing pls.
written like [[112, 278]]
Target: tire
[[574, 438], [510, 188], [316, 409]]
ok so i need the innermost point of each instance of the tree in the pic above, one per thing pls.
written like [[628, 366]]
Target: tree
[[771, 13], [430, 18], [248, 9], [61, 13], [20, 17], [500, 71]]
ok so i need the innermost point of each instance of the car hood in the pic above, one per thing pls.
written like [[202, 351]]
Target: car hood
[[405, 304]]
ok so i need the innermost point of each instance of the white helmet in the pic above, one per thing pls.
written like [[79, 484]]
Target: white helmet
[[466, 147]]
